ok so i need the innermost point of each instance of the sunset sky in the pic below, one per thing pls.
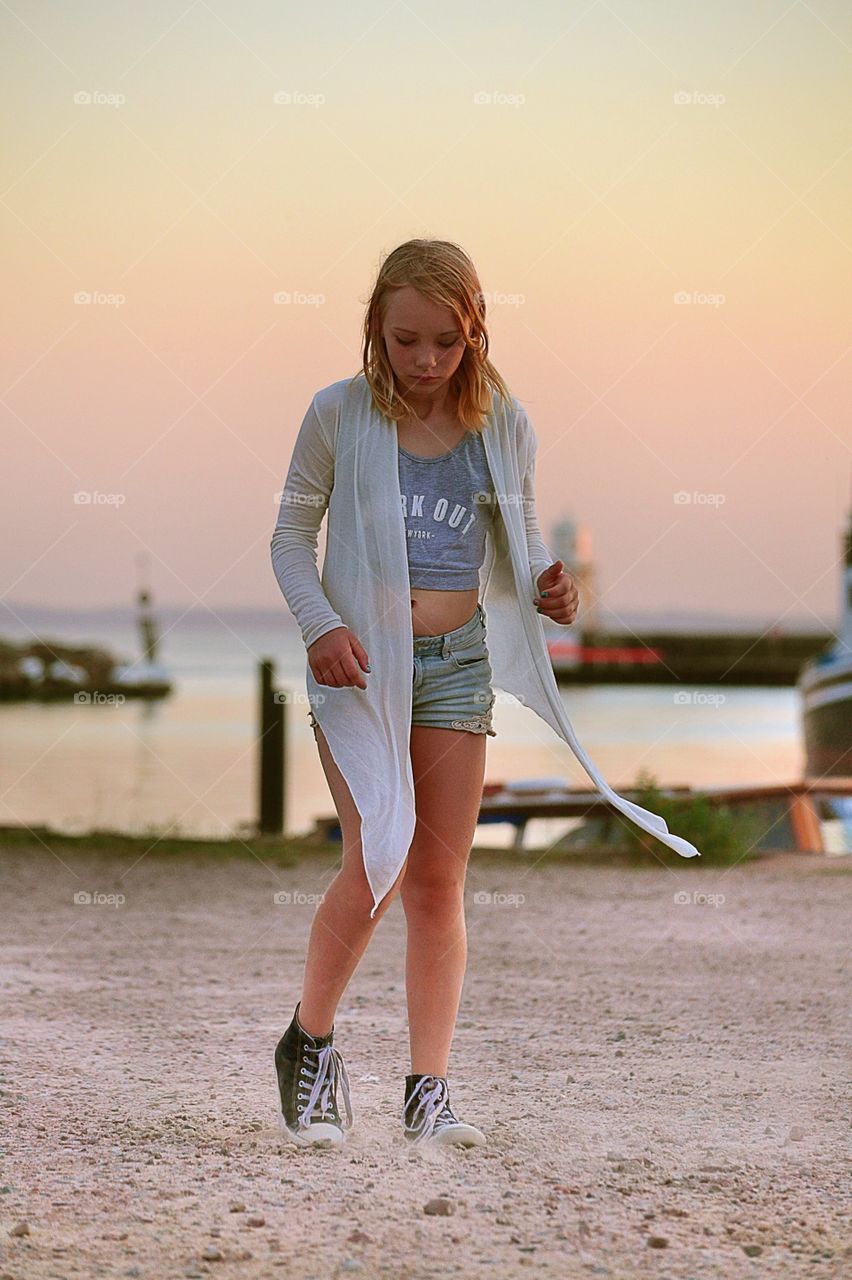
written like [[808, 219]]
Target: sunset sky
[[178, 165]]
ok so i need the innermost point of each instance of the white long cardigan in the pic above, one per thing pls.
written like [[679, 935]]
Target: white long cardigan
[[345, 458]]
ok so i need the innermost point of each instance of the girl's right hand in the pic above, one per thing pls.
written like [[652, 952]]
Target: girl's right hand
[[338, 658]]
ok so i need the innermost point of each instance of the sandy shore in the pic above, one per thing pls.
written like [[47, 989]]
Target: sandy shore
[[661, 1080]]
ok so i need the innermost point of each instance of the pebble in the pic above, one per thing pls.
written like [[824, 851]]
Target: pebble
[[238, 1206], [256, 1220], [439, 1206], [658, 1242], [212, 1254], [752, 1250], [20, 1229]]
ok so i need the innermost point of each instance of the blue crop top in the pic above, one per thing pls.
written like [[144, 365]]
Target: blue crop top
[[447, 504]]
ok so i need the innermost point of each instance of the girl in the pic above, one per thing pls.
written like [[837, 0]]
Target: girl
[[425, 463]]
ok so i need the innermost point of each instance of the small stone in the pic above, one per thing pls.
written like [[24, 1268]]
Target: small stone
[[752, 1250], [237, 1207], [658, 1242], [797, 1133], [212, 1254], [20, 1229], [439, 1206], [359, 1237], [256, 1220]]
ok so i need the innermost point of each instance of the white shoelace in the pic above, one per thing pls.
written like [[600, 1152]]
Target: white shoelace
[[434, 1106], [327, 1072]]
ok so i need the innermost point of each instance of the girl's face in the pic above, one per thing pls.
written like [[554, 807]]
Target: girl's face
[[424, 343]]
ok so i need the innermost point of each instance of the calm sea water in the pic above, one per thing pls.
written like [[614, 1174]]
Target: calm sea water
[[188, 764]]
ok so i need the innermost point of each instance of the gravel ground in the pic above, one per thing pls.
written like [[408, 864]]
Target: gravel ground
[[661, 1080]]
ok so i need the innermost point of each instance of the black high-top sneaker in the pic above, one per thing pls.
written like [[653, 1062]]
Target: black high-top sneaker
[[428, 1118], [309, 1071]]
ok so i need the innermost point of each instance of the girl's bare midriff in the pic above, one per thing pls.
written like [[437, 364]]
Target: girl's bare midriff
[[434, 612]]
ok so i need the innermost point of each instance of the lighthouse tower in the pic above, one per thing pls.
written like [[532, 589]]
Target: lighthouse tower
[[844, 630], [572, 544]]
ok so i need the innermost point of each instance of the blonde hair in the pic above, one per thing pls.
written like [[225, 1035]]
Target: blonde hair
[[443, 272]]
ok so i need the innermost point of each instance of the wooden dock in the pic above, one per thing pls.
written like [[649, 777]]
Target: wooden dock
[[802, 816]]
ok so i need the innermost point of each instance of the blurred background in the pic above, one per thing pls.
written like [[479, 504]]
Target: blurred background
[[196, 199]]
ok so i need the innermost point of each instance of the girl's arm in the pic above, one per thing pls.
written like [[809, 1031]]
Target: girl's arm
[[294, 542]]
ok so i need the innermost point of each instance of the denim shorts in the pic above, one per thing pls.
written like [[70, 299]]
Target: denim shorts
[[451, 679]]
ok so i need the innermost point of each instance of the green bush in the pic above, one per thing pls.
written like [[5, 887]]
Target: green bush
[[721, 834]]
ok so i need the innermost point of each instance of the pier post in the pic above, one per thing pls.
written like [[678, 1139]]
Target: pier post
[[272, 753]]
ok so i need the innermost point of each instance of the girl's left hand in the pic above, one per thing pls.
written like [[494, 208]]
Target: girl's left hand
[[559, 598]]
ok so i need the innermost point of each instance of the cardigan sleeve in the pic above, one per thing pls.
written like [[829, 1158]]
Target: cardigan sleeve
[[304, 501], [538, 554]]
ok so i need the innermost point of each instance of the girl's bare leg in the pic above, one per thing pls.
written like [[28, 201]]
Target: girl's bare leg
[[342, 926], [449, 769]]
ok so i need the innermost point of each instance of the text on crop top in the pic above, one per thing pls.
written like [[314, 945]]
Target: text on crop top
[[447, 505]]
